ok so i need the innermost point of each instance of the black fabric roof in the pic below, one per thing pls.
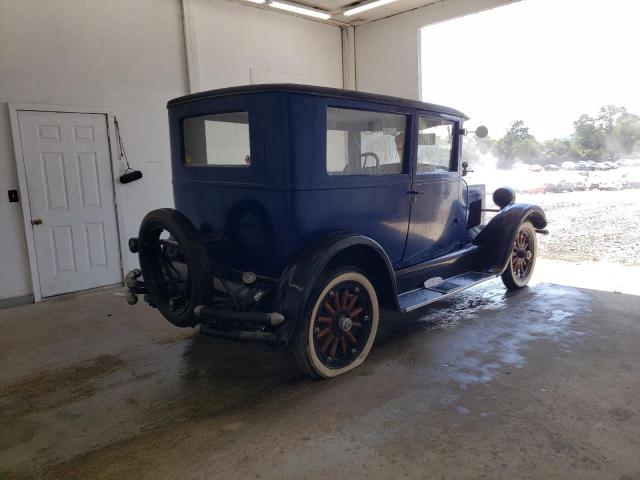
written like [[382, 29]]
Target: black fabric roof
[[313, 90]]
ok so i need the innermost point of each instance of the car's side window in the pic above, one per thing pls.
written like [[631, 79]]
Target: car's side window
[[435, 145], [220, 139], [361, 142]]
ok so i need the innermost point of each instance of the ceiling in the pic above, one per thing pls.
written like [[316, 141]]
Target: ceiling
[[336, 7]]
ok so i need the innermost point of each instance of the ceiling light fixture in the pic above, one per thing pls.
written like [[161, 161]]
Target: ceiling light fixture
[[257, 1], [301, 10], [366, 6]]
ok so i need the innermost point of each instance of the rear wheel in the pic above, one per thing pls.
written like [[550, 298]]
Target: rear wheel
[[523, 258], [175, 265], [339, 324]]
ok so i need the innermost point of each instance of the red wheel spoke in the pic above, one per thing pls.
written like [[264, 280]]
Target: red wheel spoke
[[351, 338], [355, 324], [326, 343], [329, 308], [356, 312], [336, 301], [345, 297], [324, 333], [334, 345], [343, 346], [327, 320], [352, 302]]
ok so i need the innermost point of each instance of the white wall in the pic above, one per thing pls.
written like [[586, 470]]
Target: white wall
[[129, 55], [263, 47], [387, 50]]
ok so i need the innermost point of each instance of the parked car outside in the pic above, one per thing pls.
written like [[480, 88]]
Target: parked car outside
[[631, 179], [594, 180], [610, 180], [629, 162], [301, 211], [585, 166]]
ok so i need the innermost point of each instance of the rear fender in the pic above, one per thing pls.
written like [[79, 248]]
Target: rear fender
[[498, 235], [301, 275]]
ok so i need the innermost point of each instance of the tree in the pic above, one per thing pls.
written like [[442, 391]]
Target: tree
[[625, 133], [607, 118], [517, 143], [588, 138], [612, 132], [558, 150], [473, 148]]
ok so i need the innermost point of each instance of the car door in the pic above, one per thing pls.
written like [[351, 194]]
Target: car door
[[357, 180], [436, 214]]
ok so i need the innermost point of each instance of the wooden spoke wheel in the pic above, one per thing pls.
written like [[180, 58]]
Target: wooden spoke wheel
[[523, 258], [340, 326]]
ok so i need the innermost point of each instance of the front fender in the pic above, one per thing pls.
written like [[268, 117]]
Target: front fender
[[299, 278], [498, 235]]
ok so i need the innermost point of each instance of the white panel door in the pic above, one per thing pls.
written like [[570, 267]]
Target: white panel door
[[70, 184]]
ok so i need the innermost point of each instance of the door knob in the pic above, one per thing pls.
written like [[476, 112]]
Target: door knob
[[36, 221]]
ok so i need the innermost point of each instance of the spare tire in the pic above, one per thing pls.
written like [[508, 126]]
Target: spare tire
[[175, 265]]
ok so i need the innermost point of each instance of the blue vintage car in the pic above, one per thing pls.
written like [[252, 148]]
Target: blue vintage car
[[300, 211]]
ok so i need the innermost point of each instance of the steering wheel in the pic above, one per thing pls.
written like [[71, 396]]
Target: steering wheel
[[370, 154]]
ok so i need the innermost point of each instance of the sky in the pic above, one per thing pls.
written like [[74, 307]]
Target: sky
[[542, 61]]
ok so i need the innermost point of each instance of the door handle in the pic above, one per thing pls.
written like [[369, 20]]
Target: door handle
[[36, 221], [413, 194]]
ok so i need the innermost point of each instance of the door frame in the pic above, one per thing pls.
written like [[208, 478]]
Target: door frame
[[14, 109], [433, 177]]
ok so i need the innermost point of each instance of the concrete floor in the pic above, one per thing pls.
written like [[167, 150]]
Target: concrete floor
[[541, 384]]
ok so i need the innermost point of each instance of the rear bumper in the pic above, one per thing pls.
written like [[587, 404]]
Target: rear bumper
[[242, 326], [135, 286]]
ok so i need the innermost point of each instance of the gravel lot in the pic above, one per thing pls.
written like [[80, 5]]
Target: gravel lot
[[590, 226]]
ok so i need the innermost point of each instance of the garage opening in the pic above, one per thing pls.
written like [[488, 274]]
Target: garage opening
[[555, 84]]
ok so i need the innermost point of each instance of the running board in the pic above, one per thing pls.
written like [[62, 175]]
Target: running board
[[439, 290]]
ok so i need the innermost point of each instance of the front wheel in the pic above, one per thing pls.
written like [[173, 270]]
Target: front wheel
[[523, 258], [339, 324]]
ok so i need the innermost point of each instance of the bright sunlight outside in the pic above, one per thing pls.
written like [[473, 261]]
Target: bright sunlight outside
[[556, 83]]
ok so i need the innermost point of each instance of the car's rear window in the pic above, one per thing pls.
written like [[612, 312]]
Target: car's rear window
[[220, 139], [361, 142]]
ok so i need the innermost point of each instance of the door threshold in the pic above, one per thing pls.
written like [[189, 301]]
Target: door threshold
[[80, 292]]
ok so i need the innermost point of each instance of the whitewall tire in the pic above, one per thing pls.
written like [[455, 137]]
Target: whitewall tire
[[339, 325]]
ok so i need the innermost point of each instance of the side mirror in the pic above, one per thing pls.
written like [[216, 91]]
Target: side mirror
[[482, 131], [465, 168]]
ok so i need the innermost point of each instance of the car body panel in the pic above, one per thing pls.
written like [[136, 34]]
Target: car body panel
[[258, 218]]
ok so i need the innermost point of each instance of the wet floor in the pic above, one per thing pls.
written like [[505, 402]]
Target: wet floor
[[543, 383]]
